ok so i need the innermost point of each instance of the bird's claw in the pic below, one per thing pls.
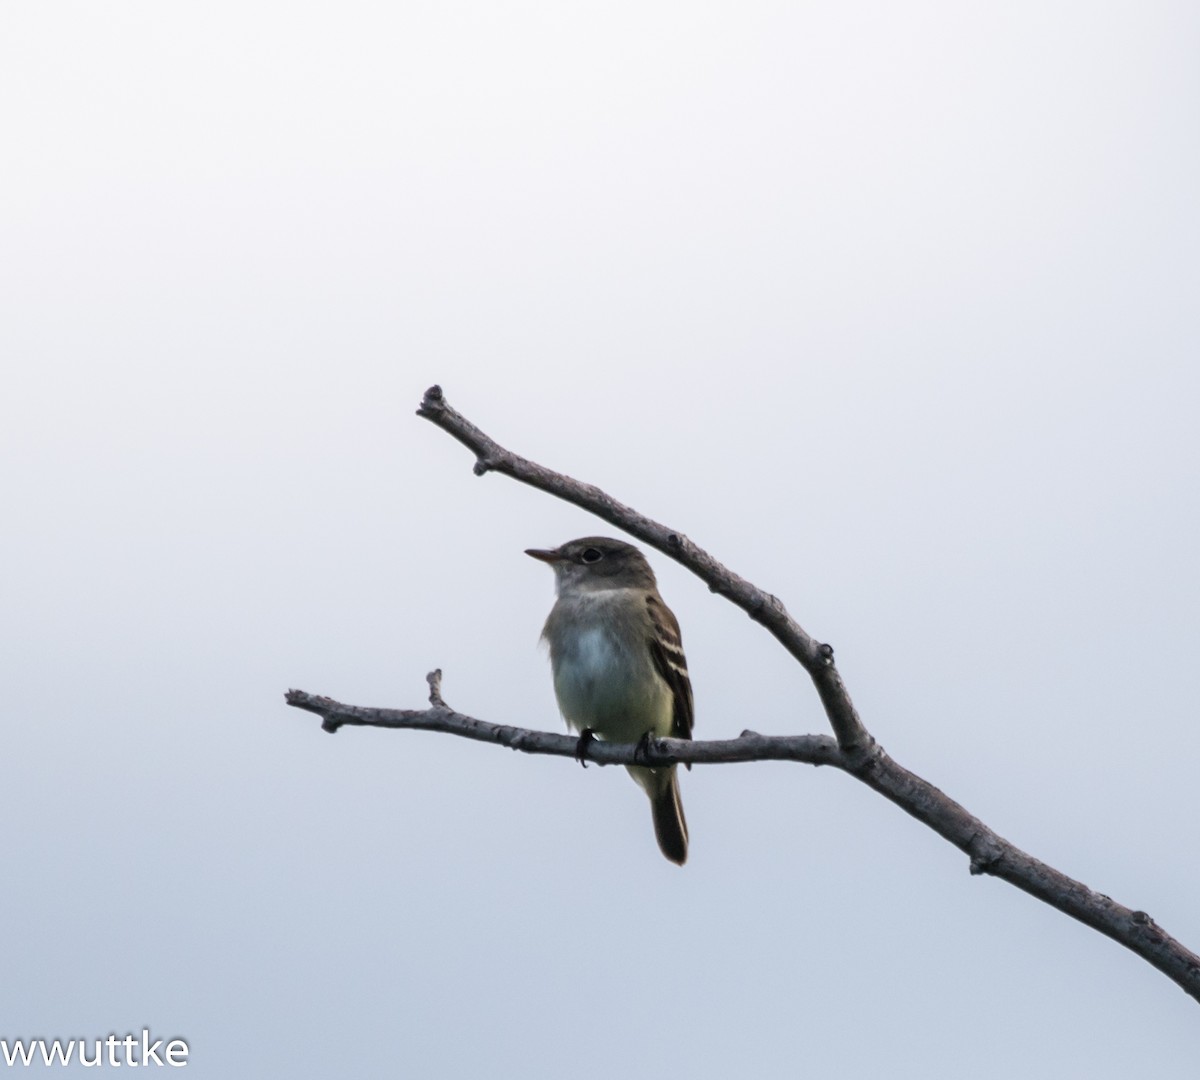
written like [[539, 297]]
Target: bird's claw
[[586, 737]]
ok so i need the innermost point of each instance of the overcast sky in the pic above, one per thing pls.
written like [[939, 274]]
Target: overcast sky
[[890, 306]]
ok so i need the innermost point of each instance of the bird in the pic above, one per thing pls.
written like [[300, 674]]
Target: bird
[[619, 670]]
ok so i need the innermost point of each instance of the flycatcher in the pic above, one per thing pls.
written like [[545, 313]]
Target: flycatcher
[[619, 668]]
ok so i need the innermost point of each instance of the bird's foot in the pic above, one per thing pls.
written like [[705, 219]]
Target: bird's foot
[[641, 752], [586, 737]]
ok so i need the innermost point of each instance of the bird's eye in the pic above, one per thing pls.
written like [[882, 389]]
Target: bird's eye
[[592, 555]]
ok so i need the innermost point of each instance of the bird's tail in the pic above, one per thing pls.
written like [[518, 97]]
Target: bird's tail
[[670, 826]]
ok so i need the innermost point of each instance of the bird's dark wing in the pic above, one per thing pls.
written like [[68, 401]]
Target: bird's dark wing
[[666, 649]]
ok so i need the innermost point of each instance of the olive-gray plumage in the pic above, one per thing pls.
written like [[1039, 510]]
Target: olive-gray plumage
[[618, 663]]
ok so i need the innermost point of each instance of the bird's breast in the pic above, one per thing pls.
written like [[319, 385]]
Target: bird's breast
[[609, 684]]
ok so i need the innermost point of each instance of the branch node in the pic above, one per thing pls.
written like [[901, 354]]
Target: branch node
[[482, 465], [986, 854], [330, 725], [863, 758], [433, 402], [434, 678], [826, 652]]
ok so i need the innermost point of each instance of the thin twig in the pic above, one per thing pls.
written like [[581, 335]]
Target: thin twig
[[750, 746]]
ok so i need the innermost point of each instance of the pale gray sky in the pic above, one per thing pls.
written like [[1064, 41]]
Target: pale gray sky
[[892, 307]]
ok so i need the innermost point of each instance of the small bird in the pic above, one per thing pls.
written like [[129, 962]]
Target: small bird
[[618, 663]]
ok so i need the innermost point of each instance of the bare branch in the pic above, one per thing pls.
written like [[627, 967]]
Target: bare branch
[[854, 751], [992, 854], [762, 607], [809, 749], [989, 853]]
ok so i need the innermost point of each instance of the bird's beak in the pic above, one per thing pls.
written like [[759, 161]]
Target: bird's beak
[[544, 555]]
